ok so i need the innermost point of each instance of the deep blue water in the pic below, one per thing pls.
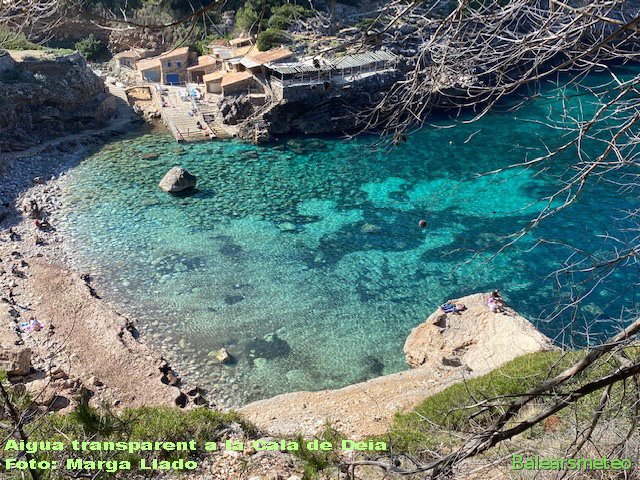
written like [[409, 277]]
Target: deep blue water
[[304, 259]]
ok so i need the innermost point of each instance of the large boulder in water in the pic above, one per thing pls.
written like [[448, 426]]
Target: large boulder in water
[[177, 179]]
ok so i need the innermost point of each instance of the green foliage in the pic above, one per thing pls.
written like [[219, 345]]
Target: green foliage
[[12, 40], [315, 461], [136, 424], [247, 18], [270, 38], [94, 421], [454, 407], [92, 48], [202, 46], [283, 16], [279, 22]]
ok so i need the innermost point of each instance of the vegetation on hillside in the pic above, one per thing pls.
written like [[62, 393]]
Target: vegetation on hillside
[[92, 48], [270, 38], [13, 40], [86, 423]]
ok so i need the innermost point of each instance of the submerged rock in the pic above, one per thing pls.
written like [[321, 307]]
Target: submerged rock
[[223, 356], [370, 228], [177, 179]]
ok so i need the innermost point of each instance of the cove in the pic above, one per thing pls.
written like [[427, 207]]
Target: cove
[[304, 258]]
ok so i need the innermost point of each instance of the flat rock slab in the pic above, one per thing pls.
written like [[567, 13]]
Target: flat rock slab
[[476, 338]]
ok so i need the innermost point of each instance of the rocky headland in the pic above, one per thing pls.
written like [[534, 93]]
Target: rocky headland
[[445, 349]]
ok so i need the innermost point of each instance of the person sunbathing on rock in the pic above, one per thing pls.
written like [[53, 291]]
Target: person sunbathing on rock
[[450, 307]]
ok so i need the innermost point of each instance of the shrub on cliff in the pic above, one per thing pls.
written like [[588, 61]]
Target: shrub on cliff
[[450, 409], [476, 403], [270, 38], [247, 19], [283, 16], [12, 40], [92, 48]]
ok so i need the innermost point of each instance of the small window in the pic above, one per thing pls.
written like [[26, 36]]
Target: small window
[[179, 64], [169, 64]]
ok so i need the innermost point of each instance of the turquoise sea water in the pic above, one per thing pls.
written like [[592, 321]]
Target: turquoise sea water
[[304, 259]]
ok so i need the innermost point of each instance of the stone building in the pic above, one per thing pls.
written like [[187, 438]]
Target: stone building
[[213, 82], [128, 58], [170, 68], [239, 82], [206, 64], [255, 61]]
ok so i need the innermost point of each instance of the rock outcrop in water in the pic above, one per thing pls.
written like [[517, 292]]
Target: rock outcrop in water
[[445, 349], [177, 180], [475, 339]]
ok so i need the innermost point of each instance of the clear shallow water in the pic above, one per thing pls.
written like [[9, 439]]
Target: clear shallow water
[[304, 259]]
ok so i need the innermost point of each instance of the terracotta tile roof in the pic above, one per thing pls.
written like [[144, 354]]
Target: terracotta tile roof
[[237, 41], [131, 53], [203, 61], [242, 51], [272, 55], [236, 77], [148, 63], [209, 77], [218, 42], [176, 52]]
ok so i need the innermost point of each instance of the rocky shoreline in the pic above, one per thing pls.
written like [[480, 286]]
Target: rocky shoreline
[[58, 339], [446, 349], [87, 350]]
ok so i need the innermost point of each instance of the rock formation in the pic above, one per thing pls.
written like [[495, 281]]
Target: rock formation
[[16, 361], [476, 338], [48, 96], [446, 349], [176, 180], [235, 109]]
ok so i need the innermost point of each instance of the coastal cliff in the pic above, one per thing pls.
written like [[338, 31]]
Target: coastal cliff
[[443, 350], [45, 96]]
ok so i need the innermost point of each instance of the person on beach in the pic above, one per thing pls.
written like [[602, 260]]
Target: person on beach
[[34, 209]]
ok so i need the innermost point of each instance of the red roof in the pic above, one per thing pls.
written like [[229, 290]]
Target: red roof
[[272, 55], [175, 52], [236, 77]]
